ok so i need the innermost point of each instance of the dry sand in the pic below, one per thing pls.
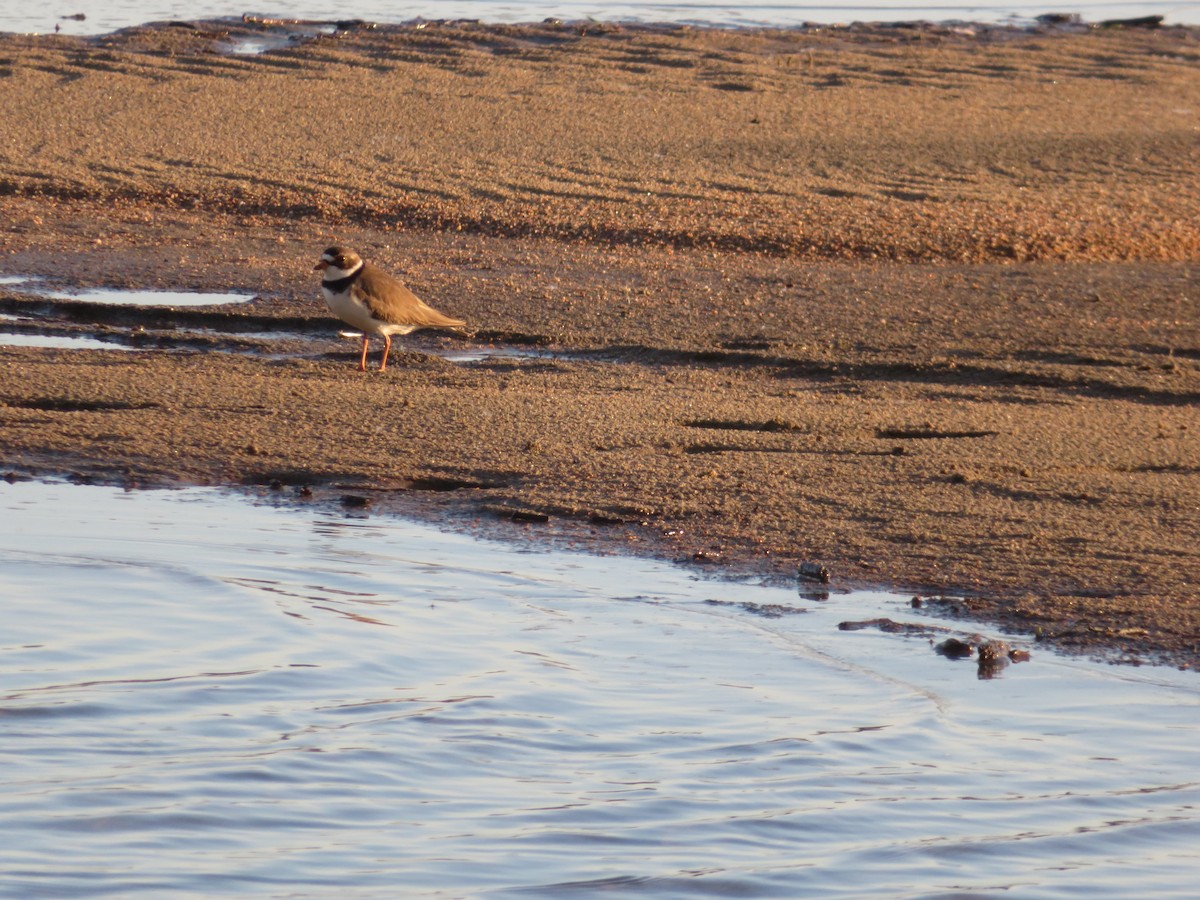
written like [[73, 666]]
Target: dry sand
[[915, 304]]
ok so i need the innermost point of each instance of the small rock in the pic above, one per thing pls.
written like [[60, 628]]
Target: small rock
[[602, 519], [888, 626], [954, 648], [814, 572], [1060, 19], [1138, 22], [524, 515], [992, 651]]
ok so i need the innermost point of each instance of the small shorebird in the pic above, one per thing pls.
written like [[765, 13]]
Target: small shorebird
[[373, 301]]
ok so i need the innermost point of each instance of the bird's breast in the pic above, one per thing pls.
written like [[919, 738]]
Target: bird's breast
[[350, 309]]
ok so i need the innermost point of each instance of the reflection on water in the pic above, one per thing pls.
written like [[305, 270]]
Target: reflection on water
[[203, 697], [124, 297], [62, 342]]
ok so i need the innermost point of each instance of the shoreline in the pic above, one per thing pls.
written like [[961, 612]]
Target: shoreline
[[274, 32], [923, 311]]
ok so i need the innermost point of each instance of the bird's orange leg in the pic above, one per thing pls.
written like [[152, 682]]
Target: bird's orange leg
[[387, 348], [362, 363]]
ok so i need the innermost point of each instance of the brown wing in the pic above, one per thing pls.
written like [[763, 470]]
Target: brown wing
[[389, 300]]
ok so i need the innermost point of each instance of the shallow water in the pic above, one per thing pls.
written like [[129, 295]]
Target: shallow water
[[59, 342], [126, 297], [107, 297], [204, 697], [32, 284], [102, 16]]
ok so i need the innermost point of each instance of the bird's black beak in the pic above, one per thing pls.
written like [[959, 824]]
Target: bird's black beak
[[321, 266]]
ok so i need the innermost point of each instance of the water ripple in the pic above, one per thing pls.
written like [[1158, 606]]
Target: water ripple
[[203, 697]]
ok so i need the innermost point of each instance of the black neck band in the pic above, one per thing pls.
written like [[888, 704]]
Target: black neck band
[[341, 284]]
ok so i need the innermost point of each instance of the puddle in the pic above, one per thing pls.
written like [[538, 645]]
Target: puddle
[[32, 284], [148, 298], [132, 340], [484, 354], [61, 342], [204, 697], [477, 354], [257, 43]]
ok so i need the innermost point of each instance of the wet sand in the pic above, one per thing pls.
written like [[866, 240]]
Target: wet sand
[[914, 304]]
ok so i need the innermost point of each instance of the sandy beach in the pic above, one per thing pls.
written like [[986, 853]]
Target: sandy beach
[[916, 304]]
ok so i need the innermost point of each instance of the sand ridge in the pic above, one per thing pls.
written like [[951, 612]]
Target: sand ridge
[[892, 144]]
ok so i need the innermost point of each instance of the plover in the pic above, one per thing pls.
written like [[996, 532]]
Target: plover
[[374, 302]]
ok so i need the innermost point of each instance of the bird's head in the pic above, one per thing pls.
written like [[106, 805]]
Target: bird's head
[[338, 262]]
